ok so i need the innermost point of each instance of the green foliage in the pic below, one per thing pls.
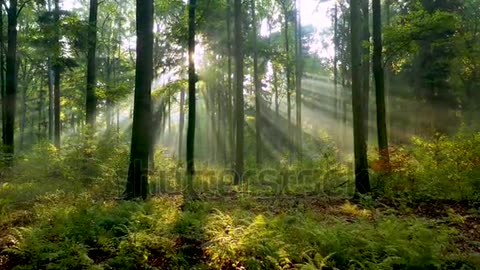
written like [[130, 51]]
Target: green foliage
[[68, 226], [405, 36], [445, 167]]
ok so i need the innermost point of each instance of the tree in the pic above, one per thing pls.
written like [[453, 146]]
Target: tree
[[362, 182], [137, 182], [11, 78], [366, 62], [91, 100], [298, 81], [2, 74], [286, 10], [192, 80], [181, 124], [256, 82], [230, 93], [379, 76], [56, 74], [239, 98], [335, 56]]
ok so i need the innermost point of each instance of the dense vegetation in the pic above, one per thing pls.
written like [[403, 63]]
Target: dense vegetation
[[230, 134]]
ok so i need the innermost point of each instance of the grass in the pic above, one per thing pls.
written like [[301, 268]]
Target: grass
[[70, 230], [65, 215]]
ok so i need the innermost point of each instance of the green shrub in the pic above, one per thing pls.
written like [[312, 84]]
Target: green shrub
[[442, 168]]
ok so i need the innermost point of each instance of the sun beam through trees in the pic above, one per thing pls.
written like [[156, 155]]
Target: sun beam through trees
[[240, 134]]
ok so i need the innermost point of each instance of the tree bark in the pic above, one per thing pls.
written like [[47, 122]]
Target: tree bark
[[362, 182], [181, 126], [91, 100], [230, 94], [192, 80], [137, 182], [57, 74], [11, 80], [335, 59], [51, 121], [25, 83], [366, 64], [288, 74], [379, 74], [256, 82], [298, 83], [275, 90], [2, 75], [239, 98]]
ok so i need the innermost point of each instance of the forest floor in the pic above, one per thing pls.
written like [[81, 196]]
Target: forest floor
[[62, 229]]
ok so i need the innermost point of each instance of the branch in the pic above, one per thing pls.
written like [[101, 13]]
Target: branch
[[21, 7]]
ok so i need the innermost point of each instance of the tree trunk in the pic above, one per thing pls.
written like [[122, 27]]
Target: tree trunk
[[362, 182], [192, 80], [388, 74], [288, 74], [335, 58], [109, 70], [275, 90], [24, 86], [137, 182], [239, 98], [378, 73], [181, 126], [366, 63], [57, 74], [91, 101], [11, 79], [40, 104], [2, 75], [298, 82], [51, 121], [230, 95], [256, 82]]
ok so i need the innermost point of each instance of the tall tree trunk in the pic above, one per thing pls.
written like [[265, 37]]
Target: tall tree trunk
[[109, 70], [137, 182], [288, 74], [239, 98], [362, 182], [335, 58], [275, 90], [11, 79], [91, 101], [24, 86], [56, 101], [388, 74], [118, 65], [2, 75], [366, 63], [51, 121], [298, 82], [230, 94], [221, 125], [256, 82], [169, 112], [57, 74], [40, 104], [181, 126], [378, 74], [192, 80]]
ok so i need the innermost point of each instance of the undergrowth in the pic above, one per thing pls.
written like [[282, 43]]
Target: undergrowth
[[60, 210], [439, 168]]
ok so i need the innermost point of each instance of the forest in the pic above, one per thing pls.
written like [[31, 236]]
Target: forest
[[240, 134]]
